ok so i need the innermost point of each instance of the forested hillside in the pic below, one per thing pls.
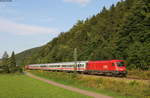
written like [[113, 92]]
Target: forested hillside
[[22, 58], [120, 32]]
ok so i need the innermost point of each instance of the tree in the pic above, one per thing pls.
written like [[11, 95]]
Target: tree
[[135, 35], [5, 62], [12, 63], [5, 55]]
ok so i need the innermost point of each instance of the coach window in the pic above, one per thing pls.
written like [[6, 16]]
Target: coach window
[[58, 65], [79, 65], [82, 65], [64, 66], [70, 66]]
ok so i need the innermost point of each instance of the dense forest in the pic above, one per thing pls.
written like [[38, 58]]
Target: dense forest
[[120, 32]]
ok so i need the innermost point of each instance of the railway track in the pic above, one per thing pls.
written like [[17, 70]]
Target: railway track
[[123, 78]]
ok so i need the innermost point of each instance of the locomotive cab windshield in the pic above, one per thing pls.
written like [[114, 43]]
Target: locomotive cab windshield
[[120, 64]]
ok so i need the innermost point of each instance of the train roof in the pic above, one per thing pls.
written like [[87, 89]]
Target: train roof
[[79, 62], [106, 61], [61, 63]]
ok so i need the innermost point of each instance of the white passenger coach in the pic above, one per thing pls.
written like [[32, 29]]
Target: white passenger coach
[[67, 66]]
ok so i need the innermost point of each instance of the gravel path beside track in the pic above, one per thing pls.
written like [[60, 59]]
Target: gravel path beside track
[[84, 92]]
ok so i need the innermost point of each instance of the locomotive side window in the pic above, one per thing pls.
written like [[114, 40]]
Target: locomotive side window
[[113, 64], [120, 64]]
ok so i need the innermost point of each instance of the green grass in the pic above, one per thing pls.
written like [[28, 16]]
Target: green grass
[[139, 74], [20, 86], [117, 88]]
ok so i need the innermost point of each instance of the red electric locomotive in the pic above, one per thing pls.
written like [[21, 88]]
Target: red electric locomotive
[[109, 67]]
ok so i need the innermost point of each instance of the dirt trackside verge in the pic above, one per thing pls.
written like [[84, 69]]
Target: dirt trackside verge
[[84, 92]]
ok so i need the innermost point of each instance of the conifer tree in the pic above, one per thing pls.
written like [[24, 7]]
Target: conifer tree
[[5, 55], [12, 63], [135, 35], [5, 62]]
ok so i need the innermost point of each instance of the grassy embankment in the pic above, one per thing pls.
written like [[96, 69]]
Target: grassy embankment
[[139, 74], [118, 88], [21, 86]]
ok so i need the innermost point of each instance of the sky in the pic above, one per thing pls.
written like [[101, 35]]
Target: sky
[[26, 24]]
